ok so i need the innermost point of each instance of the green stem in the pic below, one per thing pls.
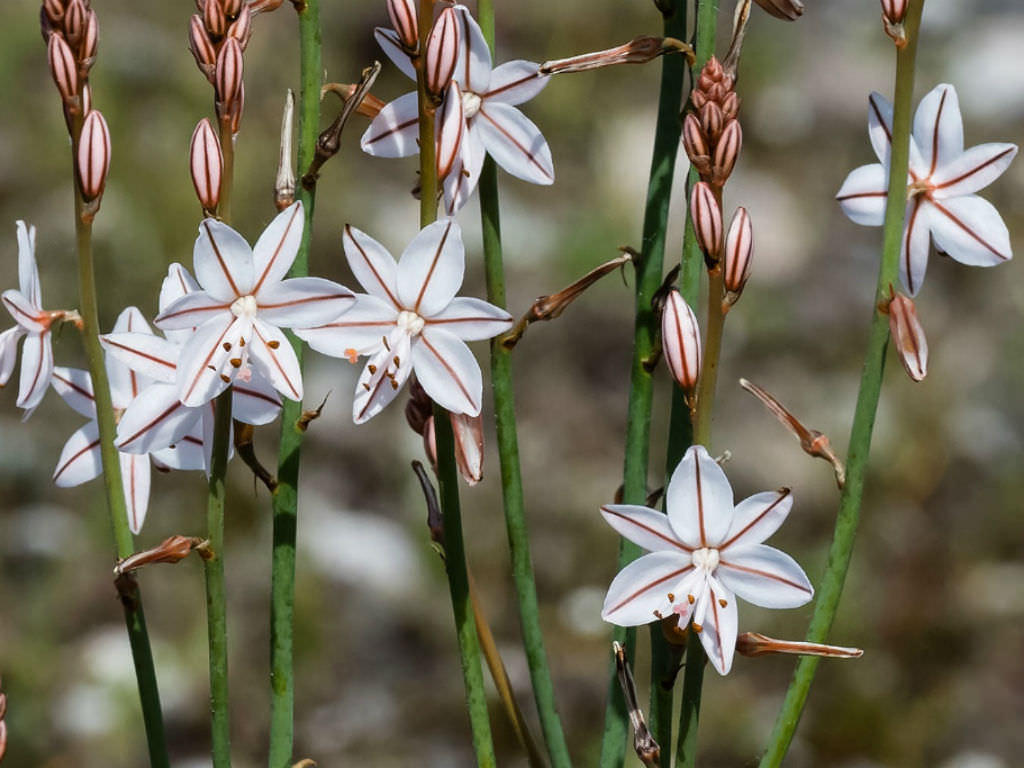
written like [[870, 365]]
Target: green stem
[[428, 150], [285, 500], [648, 279], [131, 596], [508, 457], [831, 586], [689, 714]]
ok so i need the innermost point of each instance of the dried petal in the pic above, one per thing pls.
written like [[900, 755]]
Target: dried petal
[[206, 164], [93, 155], [908, 336], [755, 644], [680, 340]]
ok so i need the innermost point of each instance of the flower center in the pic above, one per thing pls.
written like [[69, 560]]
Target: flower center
[[706, 559], [244, 306], [470, 104], [922, 187], [410, 322]]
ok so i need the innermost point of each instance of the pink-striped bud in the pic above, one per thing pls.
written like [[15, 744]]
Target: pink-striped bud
[[74, 22], [93, 155], [894, 11], [711, 120], [241, 28], [54, 10], [214, 20], [235, 117], [201, 47], [442, 52], [730, 105], [206, 164], [228, 75], [694, 142], [232, 8], [908, 336], [86, 99], [680, 341], [404, 20], [739, 255], [727, 150], [450, 131], [707, 221], [63, 67], [90, 38]]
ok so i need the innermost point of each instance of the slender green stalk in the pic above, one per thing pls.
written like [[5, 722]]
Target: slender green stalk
[[285, 500], [428, 150], [713, 328], [508, 457], [648, 279], [689, 714], [128, 588], [831, 586]]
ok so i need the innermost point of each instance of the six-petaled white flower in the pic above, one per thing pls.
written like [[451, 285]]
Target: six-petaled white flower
[[411, 319], [485, 120], [942, 180], [703, 552], [244, 303]]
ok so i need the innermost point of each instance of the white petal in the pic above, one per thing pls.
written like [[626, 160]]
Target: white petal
[[970, 230], [204, 360], [372, 264], [75, 388], [459, 184], [151, 356], [644, 526], [451, 128], [765, 576], [254, 401], [125, 383], [758, 517], [304, 302], [938, 128], [515, 82], [187, 453], [973, 170], [357, 332], [135, 477], [916, 244], [718, 633], [177, 283], [271, 353], [395, 129], [382, 377], [222, 261], [9, 352], [23, 311], [431, 268], [472, 319], [880, 126], [36, 369], [80, 460], [639, 593], [387, 39], [192, 310], [275, 251], [474, 68], [515, 143], [699, 500], [448, 371], [28, 272], [863, 195], [155, 420]]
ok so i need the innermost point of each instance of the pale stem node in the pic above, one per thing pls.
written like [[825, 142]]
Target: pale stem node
[[813, 442], [206, 163], [93, 157], [647, 749], [171, 550], [754, 644], [284, 183], [907, 335], [370, 106], [550, 307], [639, 50]]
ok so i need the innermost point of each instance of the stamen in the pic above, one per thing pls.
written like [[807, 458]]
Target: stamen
[[387, 345], [671, 597], [691, 599], [227, 346], [398, 364], [225, 378], [352, 355], [723, 602], [698, 627], [366, 387], [236, 362], [372, 368], [273, 343]]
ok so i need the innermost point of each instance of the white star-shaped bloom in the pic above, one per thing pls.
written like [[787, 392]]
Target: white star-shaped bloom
[[703, 552], [942, 179], [484, 119], [244, 304], [410, 319]]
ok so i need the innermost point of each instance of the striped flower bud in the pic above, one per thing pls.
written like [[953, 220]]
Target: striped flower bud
[[235, 117], [201, 47], [241, 27], [93, 155], [63, 67], [442, 53], [469, 446], [206, 164], [228, 76], [908, 336], [74, 21], [54, 10], [739, 256], [707, 221], [680, 341], [90, 38], [232, 8], [894, 11], [694, 142], [711, 120], [214, 20], [730, 105], [727, 150], [403, 18]]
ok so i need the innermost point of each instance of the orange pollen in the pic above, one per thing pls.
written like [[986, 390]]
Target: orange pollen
[[352, 356]]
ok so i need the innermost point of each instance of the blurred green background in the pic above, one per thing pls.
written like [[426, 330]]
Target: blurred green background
[[935, 593]]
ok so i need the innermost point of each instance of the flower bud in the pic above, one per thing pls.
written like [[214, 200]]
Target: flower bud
[[74, 22], [711, 120], [908, 336], [707, 220], [206, 164], [54, 10], [450, 131], [787, 10], [201, 47], [228, 76], [241, 27], [90, 38], [694, 141], [93, 155], [235, 118], [739, 253], [894, 11], [63, 67], [730, 106], [442, 53], [680, 341], [469, 446], [404, 21], [727, 150], [214, 20], [232, 8]]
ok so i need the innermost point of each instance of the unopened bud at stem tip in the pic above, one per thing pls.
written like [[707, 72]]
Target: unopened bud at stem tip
[[93, 155]]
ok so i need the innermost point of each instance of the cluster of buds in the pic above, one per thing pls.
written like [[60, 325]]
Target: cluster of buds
[[217, 36], [733, 254], [71, 32], [711, 133], [468, 432]]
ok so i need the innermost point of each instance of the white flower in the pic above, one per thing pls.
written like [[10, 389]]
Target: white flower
[[486, 121], [411, 320], [33, 322], [942, 180], [244, 303], [703, 553]]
